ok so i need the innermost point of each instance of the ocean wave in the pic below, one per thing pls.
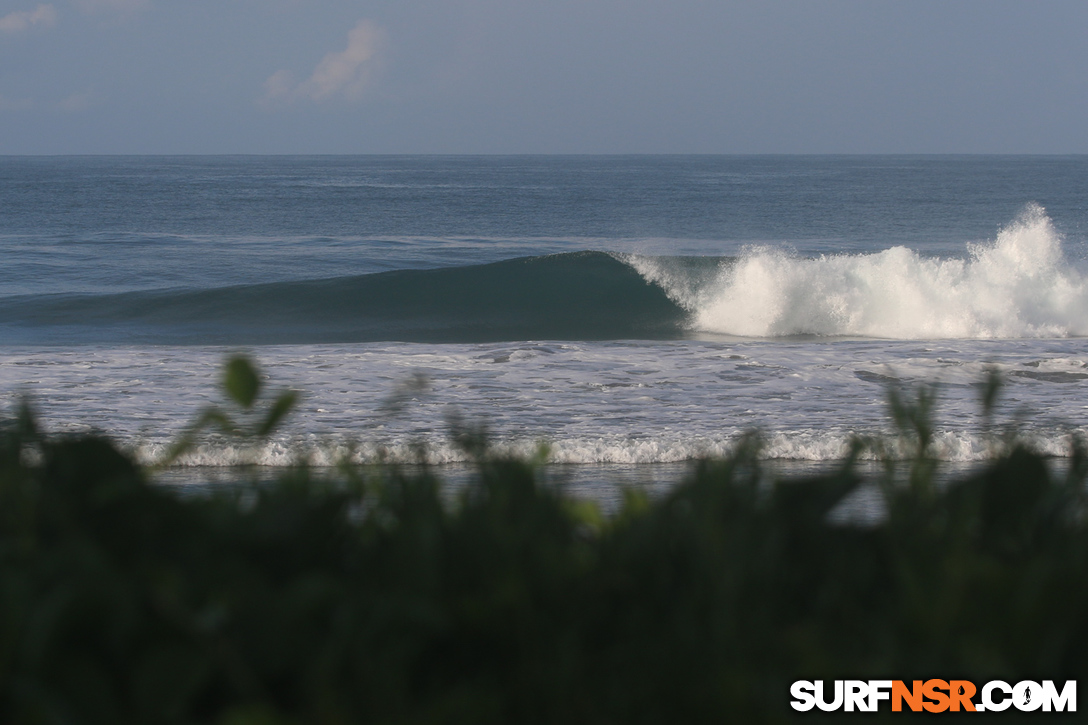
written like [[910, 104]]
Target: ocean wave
[[577, 295], [1018, 286]]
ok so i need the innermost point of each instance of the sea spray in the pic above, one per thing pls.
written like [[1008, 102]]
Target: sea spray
[[1018, 286]]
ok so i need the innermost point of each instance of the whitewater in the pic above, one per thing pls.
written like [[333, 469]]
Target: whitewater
[[1020, 285], [621, 312]]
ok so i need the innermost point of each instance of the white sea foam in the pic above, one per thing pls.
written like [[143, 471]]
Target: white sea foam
[[1018, 286], [805, 445], [617, 403]]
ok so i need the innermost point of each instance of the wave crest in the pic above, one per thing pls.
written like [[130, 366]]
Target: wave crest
[[1019, 285]]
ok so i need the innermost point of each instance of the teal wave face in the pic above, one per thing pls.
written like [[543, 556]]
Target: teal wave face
[[574, 296]]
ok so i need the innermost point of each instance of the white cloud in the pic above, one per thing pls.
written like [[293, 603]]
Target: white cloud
[[22, 20], [280, 85], [343, 74]]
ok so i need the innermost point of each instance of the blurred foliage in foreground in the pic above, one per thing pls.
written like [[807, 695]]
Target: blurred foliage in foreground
[[369, 595]]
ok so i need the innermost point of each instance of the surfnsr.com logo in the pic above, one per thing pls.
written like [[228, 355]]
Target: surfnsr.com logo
[[934, 696]]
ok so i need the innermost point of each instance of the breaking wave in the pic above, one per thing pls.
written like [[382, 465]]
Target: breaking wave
[[811, 445], [1020, 285]]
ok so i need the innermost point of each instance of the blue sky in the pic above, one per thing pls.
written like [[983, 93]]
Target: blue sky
[[585, 76]]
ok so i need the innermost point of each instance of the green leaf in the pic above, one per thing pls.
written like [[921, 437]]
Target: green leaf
[[279, 409], [990, 389], [241, 381], [216, 417]]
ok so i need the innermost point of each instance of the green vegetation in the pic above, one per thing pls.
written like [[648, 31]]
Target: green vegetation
[[369, 595]]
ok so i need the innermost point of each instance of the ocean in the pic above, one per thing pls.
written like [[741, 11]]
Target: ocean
[[630, 312]]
